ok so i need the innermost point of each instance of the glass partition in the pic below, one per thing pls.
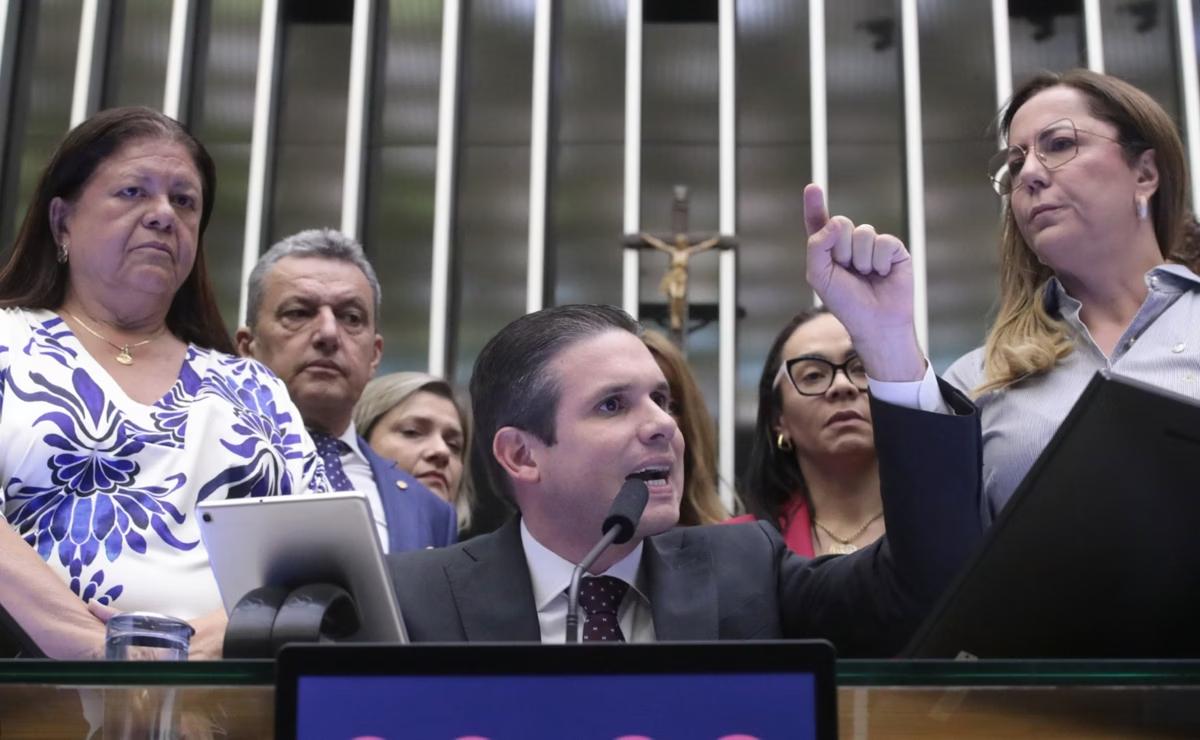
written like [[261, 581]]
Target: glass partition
[[398, 230], [491, 222], [774, 158], [1043, 35], [585, 188], [137, 54], [310, 131], [958, 103], [41, 106], [679, 147], [222, 116]]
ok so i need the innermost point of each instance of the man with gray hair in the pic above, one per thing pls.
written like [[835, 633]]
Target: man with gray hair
[[312, 313]]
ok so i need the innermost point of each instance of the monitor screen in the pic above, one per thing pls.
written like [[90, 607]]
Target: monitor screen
[[656, 691], [740, 706]]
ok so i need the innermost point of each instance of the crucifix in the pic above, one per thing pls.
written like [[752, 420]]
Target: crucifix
[[680, 247]]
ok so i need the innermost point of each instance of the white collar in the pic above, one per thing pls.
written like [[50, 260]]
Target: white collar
[[551, 574]]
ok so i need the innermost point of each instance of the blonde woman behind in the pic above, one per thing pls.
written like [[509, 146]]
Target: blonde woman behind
[[700, 503], [1094, 188], [414, 419]]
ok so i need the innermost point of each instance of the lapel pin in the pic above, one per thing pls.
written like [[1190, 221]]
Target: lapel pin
[[401, 485]]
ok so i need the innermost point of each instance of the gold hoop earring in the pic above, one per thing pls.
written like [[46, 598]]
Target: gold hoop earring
[[783, 443], [63, 252]]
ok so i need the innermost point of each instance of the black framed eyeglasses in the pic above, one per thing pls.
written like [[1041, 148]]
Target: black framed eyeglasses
[[1054, 146], [813, 376]]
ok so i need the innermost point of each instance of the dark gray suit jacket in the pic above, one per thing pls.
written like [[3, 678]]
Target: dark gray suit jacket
[[741, 582]]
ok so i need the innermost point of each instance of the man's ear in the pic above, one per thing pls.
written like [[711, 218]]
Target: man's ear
[[513, 449], [243, 339], [378, 356], [59, 211]]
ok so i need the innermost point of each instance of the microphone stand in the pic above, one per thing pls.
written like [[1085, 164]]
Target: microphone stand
[[619, 527], [577, 574]]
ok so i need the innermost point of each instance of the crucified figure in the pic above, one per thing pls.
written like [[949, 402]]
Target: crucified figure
[[675, 282]]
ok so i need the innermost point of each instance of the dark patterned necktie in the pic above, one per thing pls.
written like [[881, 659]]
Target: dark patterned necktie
[[331, 449], [600, 598]]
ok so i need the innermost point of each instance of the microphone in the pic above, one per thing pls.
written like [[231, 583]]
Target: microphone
[[618, 528]]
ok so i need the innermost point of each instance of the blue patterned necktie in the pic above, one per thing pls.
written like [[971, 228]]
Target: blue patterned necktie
[[600, 598], [331, 449]]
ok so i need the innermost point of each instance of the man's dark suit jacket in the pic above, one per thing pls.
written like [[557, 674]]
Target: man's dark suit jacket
[[741, 582], [416, 517]]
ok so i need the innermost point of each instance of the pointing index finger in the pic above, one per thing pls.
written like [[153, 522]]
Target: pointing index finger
[[816, 214]]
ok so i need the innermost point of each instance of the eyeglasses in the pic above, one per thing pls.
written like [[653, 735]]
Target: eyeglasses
[[1054, 146], [813, 376]]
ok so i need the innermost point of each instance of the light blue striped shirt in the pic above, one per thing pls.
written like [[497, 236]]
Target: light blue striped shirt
[[1161, 346]]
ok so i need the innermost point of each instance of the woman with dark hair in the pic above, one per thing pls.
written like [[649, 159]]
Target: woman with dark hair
[[121, 405], [812, 470]]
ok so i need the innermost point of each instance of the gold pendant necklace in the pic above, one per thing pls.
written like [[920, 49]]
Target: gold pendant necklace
[[845, 545], [123, 355]]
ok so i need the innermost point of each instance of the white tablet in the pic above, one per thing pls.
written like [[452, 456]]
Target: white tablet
[[291, 541]]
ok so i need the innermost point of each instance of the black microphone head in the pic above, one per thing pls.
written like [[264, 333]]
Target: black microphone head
[[627, 510]]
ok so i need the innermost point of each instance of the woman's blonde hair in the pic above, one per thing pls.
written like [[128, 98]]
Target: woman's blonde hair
[[700, 504], [387, 392], [1025, 338]]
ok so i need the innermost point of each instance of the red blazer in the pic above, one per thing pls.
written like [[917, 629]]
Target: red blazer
[[795, 524]]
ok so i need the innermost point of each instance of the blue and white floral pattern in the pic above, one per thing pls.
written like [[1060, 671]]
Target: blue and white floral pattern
[[104, 488]]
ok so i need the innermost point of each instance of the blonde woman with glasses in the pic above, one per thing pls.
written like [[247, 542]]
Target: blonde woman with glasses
[[1095, 226], [1094, 241]]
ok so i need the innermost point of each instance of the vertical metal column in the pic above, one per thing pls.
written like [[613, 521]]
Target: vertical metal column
[[179, 58], [1184, 26], [818, 101], [7, 56], [1093, 35], [89, 60], [817, 98], [539, 143], [9, 25], [443, 202], [1002, 50], [260, 144], [727, 312], [914, 165], [633, 153], [354, 167]]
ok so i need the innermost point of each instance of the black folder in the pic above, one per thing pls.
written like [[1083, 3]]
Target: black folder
[[1097, 554]]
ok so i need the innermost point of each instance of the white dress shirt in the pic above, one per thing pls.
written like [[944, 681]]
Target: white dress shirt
[[923, 394], [551, 576], [358, 470]]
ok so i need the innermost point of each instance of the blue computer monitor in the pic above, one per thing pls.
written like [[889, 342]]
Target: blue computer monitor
[[670, 690]]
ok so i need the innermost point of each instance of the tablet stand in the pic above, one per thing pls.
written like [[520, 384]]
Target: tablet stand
[[268, 617]]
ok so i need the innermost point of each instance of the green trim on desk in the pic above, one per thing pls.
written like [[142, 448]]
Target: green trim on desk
[[850, 673], [1018, 673], [100, 672]]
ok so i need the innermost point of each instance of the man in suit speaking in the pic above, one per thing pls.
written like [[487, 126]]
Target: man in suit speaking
[[568, 404], [313, 303]]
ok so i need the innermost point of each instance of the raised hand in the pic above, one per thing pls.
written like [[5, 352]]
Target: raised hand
[[866, 281]]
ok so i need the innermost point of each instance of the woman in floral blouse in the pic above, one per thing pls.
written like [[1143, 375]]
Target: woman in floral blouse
[[121, 406]]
